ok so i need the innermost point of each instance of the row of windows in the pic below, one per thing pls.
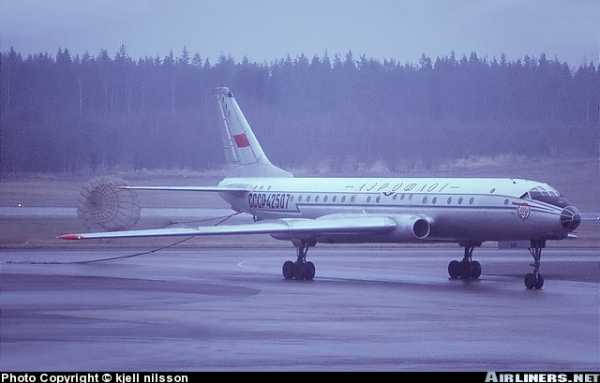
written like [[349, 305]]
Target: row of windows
[[370, 199], [426, 200], [334, 198]]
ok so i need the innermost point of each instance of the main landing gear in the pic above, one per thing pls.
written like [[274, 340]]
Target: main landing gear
[[301, 269], [467, 268], [535, 279]]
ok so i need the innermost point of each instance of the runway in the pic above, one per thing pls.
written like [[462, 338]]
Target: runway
[[45, 212], [229, 309]]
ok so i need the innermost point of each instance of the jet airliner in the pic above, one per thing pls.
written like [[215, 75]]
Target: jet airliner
[[308, 211]]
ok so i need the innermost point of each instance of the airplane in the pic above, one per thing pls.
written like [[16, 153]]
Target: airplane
[[308, 211]]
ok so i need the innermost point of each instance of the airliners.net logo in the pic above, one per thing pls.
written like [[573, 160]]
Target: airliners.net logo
[[511, 377]]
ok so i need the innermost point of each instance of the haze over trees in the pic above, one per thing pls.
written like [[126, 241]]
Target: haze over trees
[[70, 113]]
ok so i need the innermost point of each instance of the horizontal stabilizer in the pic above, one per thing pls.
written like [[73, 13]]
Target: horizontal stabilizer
[[188, 188]]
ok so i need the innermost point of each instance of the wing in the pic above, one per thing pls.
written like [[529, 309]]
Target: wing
[[290, 226], [189, 188]]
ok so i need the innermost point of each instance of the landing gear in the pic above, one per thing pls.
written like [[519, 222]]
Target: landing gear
[[531, 282], [288, 270], [467, 268], [535, 279], [301, 269]]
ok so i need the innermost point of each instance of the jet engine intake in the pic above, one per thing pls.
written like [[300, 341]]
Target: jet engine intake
[[570, 218], [411, 227]]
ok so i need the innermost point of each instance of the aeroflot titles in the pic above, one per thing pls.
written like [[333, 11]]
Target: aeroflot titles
[[402, 186], [390, 189]]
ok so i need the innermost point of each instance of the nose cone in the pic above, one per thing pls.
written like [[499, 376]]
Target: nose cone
[[570, 218]]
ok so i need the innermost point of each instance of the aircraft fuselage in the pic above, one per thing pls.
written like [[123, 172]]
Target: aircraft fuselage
[[457, 209]]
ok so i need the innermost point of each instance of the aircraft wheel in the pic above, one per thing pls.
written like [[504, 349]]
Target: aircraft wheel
[[530, 281], [539, 283], [309, 271], [454, 269], [288, 270], [475, 271], [299, 271]]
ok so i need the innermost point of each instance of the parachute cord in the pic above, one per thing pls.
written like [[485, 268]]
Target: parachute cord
[[222, 220], [97, 260]]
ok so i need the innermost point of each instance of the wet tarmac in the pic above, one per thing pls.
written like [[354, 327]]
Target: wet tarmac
[[8, 212], [230, 309]]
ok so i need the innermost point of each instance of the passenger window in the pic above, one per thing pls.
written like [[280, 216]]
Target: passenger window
[[269, 188], [402, 196], [449, 200], [291, 198], [300, 198], [308, 198], [325, 199], [352, 199], [316, 199], [369, 199], [343, 198], [394, 197], [334, 199], [434, 200], [424, 200], [506, 201], [378, 199], [471, 201], [460, 201]]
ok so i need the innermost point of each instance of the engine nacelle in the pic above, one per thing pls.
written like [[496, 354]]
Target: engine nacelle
[[410, 228]]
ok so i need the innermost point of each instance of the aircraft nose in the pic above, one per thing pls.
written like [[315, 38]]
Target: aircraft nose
[[570, 218]]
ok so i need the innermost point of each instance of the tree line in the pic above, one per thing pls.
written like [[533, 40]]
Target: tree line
[[67, 113]]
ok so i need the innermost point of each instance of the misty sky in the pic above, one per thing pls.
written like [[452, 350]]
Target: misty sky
[[264, 30]]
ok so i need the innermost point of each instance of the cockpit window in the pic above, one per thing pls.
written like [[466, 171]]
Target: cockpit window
[[549, 197]]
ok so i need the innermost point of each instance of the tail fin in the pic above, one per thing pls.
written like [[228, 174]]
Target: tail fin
[[242, 149]]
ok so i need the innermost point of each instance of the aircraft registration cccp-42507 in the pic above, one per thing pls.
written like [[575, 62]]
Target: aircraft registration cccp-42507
[[306, 211]]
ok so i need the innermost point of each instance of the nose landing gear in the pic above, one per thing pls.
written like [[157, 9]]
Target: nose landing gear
[[467, 268], [535, 279], [301, 269]]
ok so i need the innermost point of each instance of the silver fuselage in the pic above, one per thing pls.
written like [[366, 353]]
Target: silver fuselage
[[457, 209]]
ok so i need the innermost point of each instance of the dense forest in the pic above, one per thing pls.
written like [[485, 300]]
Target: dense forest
[[64, 112]]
